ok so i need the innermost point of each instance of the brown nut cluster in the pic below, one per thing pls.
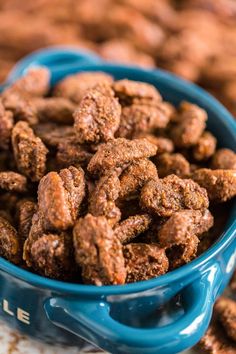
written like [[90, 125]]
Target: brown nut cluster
[[109, 184], [166, 196], [188, 125], [224, 159], [98, 116], [29, 151], [192, 38], [220, 184], [173, 164], [221, 334]]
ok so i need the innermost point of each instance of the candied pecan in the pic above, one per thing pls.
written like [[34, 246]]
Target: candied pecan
[[21, 107], [207, 239], [205, 147], [12, 181], [179, 235], [6, 125], [52, 134], [215, 341], [70, 152], [75, 87], [97, 117], [143, 261], [98, 251], [52, 256], [219, 71], [103, 197], [188, 125], [35, 83], [59, 198], [220, 184], [119, 24], [129, 228], [17, 97], [118, 153], [182, 253], [163, 144], [36, 231], [10, 246], [225, 309], [29, 151], [169, 109], [170, 194], [135, 176], [141, 118], [123, 51], [55, 109], [25, 210], [183, 225], [128, 90], [168, 164], [224, 159]]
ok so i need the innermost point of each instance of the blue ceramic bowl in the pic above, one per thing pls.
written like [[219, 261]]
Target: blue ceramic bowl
[[163, 315]]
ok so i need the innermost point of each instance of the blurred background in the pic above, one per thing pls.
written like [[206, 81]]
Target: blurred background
[[195, 39]]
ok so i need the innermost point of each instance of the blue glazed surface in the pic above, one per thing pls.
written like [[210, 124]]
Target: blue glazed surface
[[125, 319]]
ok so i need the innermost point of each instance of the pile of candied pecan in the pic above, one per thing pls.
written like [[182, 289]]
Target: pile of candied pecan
[[220, 337], [103, 182], [193, 38]]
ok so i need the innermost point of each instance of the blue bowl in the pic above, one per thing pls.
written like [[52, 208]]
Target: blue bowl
[[164, 315]]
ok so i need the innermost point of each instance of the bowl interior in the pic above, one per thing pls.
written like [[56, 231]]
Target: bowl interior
[[174, 90]]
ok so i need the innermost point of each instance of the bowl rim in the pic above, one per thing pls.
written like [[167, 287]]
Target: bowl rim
[[197, 264]]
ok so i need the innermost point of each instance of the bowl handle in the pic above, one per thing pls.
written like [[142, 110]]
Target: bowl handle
[[91, 320], [57, 59]]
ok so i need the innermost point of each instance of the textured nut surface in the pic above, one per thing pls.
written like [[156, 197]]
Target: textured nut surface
[[129, 228], [141, 118], [135, 176], [74, 87], [118, 153], [188, 125], [128, 90], [225, 309], [183, 225], [10, 246], [205, 147], [29, 151], [170, 194], [168, 164], [52, 134], [26, 210], [98, 251], [59, 198], [70, 152], [97, 117], [223, 159], [6, 125], [55, 109], [216, 341], [144, 261], [52, 256], [104, 196], [220, 184], [13, 182]]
